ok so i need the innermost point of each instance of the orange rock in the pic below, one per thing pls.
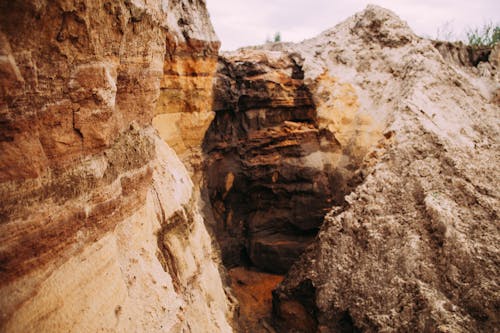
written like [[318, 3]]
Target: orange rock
[[88, 192]]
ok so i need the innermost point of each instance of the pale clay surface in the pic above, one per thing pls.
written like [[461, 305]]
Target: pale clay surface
[[416, 249]]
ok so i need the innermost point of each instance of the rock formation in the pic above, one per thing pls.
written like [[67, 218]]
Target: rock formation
[[184, 109], [99, 224], [415, 248], [279, 157], [122, 132]]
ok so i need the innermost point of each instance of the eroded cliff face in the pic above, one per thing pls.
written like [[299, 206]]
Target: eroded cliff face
[[99, 225], [261, 192], [103, 110], [280, 153], [398, 137], [184, 109], [416, 246]]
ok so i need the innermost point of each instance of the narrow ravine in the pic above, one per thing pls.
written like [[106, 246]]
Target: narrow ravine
[[149, 183], [272, 172]]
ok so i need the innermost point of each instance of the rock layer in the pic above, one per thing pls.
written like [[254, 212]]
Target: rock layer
[[277, 159], [99, 222], [99, 225], [184, 109], [416, 247]]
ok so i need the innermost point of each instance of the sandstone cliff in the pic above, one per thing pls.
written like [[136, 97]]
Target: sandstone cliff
[[116, 117], [99, 225], [277, 157]]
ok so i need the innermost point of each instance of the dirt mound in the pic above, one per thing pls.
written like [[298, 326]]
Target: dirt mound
[[416, 246]]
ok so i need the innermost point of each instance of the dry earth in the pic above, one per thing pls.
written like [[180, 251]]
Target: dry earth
[[123, 135]]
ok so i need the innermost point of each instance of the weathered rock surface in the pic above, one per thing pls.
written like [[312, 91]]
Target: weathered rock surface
[[99, 222], [416, 247], [463, 55], [99, 226], [184, 109], [278, 156]]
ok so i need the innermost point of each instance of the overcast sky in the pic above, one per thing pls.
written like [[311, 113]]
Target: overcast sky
[[249, 22]]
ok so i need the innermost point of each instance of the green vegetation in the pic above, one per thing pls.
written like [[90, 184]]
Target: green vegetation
[[277, 37], [487, 35]]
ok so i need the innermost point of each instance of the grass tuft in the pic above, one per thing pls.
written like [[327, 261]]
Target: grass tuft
[[487, 35]]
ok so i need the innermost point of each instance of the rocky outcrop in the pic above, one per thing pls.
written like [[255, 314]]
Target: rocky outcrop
[[279, 156], [394, 137], [184, 109], [99, 226], [416, 246]]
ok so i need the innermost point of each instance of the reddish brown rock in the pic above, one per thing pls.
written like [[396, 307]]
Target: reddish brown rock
[[99, 227], [253, 291], [273, 167]]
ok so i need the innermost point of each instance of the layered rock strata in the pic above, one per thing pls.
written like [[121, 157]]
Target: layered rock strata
[[416, 247], [278, 157], [99, 226], [99, 222], [184, 109]]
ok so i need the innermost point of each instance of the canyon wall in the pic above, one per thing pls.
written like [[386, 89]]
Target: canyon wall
[[184, 109], [99, 224], [119, 125], [280, 153]]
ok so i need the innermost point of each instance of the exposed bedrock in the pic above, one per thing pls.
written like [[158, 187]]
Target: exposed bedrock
[[276, 163], [184, 109], [99, 225], [104, 106]]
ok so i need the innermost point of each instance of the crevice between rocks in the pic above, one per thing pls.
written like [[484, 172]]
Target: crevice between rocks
[[269, 179]]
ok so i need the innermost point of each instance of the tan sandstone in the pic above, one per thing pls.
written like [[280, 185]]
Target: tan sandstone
[[99, 225]]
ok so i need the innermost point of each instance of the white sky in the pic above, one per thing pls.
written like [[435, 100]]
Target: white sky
[[249, 22]]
